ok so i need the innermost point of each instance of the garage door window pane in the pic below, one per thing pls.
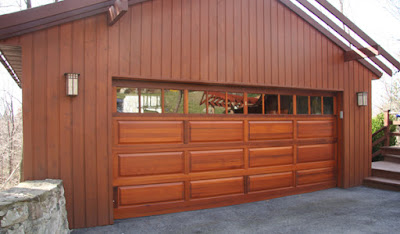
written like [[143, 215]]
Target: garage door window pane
[[197, 102], [216, 102], [235, 103], [271, 104], [315, 103], [150, 100], [302, 105], [173, 101], [127, 100], [328, 105], [254, 103], [286, 104]]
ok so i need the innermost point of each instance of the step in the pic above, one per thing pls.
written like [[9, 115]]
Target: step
[[382, 183], [392, 158], [385, 174], [390, 150], [387, 166]]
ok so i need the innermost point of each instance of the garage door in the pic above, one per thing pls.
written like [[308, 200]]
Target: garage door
[[180, 147]]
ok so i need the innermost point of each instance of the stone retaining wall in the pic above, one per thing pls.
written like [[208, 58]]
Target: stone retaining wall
[[34, 207]]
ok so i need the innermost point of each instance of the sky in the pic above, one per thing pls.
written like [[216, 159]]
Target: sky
[[378, 18]]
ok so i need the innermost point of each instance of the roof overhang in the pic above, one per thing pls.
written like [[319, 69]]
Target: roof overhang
[[49, 15], [11, 58]]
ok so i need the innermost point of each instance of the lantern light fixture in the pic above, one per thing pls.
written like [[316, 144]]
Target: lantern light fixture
[[72, 83], [362, 99]]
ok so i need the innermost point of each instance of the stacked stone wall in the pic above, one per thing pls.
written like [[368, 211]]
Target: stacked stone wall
[[34, 207]]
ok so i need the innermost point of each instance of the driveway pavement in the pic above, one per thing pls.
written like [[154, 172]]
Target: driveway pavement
[[354, 210]]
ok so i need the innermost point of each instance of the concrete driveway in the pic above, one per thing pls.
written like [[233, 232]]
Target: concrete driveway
[[355, 210]]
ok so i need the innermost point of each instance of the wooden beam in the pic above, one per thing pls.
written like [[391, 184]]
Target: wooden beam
[[367, 52], [357, 30], [328, 34], [344, 34], [116, 11]]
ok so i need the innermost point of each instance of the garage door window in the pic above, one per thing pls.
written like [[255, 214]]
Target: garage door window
[[150, 101], [128, 100], [255, 103], [315, 103], [216, 102], [173, 101], [328, 105], [157, 99], [286, 103], [235, 103], [271, 104], [197, 102], [302, 105]]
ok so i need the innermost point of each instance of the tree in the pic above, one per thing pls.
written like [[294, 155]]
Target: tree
[[10, 141], [391, 95], [28, 4]]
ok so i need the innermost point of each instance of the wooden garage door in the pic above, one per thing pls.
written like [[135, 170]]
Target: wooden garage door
[[167, 162]]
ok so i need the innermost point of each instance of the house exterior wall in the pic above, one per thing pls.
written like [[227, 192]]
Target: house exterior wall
[[238, 42]]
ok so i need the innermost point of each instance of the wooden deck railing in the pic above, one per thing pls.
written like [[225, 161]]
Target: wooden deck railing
[[387, 123]]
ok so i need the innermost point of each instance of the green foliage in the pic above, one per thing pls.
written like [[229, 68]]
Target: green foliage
[[377, 123]]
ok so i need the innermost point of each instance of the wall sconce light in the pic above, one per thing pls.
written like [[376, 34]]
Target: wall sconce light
[[72, 83], [362, 99]]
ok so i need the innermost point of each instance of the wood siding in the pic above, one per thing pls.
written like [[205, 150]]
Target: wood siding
[[241, 42]]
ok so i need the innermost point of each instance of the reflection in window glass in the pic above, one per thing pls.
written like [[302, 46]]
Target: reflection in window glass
[[302, 105], [173, 101], [127, 100], [235, 103], [254, 103], [150, 101], [328, 105], [315, 103], [197, 102], [271, 104], [286, 104], [216, 102]]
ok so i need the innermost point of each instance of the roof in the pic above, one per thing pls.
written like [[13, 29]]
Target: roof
[[368, 52]]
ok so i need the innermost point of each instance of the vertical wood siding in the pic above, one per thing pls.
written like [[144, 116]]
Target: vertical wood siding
[[253, 42]]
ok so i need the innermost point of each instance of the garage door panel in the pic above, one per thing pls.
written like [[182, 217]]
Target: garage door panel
[[272, 156], [269, 130], [315, 176], [315, 165], [142, 194], [270, 181], [216, 131], [142, 132], [314, 153], [315, 129], [150, 163], [216, 187], [212, 160]]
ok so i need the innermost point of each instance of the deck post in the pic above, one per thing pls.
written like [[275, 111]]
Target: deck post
[[386, 123]]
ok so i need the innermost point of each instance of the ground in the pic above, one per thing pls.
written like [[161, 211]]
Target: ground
[[354, 210]]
